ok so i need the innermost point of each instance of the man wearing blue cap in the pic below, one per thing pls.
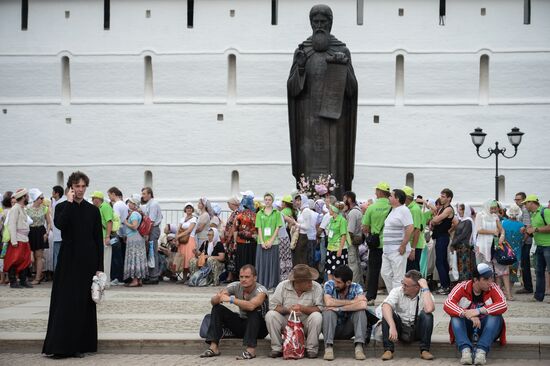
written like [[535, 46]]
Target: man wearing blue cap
[[476, 307]]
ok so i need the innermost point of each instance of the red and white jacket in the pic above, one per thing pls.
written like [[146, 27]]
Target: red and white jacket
[[460, 299]]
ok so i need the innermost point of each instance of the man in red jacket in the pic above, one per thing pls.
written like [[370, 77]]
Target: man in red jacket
[[476, 307]]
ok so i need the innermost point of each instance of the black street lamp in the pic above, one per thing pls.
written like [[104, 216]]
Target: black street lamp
[[514, 136]]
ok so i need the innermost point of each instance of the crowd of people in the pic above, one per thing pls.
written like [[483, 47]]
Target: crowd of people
[[397, 236]]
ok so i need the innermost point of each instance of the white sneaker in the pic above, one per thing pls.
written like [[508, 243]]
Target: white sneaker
[[466, 358], [115, 282], [480, 358]]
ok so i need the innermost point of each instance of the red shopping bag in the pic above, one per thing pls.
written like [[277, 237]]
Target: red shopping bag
[[293, 338]]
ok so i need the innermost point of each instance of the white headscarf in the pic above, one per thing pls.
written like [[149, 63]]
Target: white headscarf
[[215, 240], [467, 216], [305, 201], [514, 211]]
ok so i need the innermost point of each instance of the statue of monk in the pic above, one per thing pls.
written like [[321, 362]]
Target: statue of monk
[[322, 105]]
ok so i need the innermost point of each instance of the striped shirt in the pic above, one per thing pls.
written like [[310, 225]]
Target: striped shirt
[[394, 228]]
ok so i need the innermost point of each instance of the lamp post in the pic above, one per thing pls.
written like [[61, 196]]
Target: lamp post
[[478, 137]]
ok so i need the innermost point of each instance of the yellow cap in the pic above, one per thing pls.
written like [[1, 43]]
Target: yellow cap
[[408, 191], [383, 186], [531, 198], [98, 194], [287, 199]]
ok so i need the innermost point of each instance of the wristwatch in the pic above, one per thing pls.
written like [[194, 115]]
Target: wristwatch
[[231, 299], [536, 229], [426, 289]]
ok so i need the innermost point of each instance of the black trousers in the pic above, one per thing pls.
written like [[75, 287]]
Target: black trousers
[[373, 269], [526, 267], [249, 329], [422, 331], [416, 263], [117, 260]]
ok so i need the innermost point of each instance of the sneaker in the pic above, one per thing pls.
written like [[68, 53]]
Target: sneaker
[[15, 285], [275, 354], [466, 358], [388, 355], [480, 358], [426, 355], [329, 354], [370, 302], [534, 300], [115, 282], [311, 354], [359, 353], [443, 291]]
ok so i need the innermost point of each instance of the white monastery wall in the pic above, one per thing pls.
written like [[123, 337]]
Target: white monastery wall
[[118, 123]]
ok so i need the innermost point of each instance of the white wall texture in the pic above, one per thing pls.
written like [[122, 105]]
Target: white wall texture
[[115, 137]]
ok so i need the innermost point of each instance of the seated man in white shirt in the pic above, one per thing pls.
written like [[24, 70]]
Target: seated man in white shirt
[[407, 315]]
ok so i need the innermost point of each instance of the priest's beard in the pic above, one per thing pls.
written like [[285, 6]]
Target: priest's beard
[[320, 40]]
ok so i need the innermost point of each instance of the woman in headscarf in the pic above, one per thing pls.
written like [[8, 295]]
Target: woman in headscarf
[[337, 247], [512, 228], [185, 238], [244, 233], [489, 233], [203, 223], [268, 223], [463, 242], [39, 228], [323, 219], [214, 252], [285, 254], [135, 261], [304, 223], [228, 240], [215, 220]]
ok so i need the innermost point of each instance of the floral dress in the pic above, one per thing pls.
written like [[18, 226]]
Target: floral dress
[[515, 238], [245, 226], [229, 243]]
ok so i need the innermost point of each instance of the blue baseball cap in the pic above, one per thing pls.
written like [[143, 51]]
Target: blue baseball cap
[[484, 270]]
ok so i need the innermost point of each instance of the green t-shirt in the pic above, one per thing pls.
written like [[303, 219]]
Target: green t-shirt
[[542, 239], [287, 211], [106, 215], [376, 215], [418, 223], [268, 225], [336, 228]]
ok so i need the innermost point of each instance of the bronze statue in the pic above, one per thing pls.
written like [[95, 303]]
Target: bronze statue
[[322, 105]]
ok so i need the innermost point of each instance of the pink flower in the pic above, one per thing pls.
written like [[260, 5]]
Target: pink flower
[[321, 189]]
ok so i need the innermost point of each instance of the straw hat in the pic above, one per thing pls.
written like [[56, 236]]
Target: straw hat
[[303, 272]]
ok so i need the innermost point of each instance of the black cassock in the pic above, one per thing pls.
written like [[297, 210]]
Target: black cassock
[[72, 324]]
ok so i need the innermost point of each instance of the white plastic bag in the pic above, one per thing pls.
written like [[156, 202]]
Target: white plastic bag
[[98, 287], [151, 255], [453, 265]]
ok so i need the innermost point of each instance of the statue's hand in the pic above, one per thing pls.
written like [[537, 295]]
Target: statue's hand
[[301, 58], [338, 58]]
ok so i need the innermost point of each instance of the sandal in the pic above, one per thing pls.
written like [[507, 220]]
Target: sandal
[[209, 353], [246, 356]]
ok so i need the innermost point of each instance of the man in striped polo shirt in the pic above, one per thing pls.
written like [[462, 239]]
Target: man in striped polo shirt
[[398, 228]]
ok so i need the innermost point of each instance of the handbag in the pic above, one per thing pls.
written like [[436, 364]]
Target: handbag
[[177, 263], [504, 254], [373, 241], [202, 260], [407, 331], [294, 339]]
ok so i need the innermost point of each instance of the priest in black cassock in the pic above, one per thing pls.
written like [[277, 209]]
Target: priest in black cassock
[[72, 324]]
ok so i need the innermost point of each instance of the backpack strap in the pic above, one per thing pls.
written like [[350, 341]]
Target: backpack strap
[[542, 215]]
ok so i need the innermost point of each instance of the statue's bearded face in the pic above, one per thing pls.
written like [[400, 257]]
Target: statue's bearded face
[[321, 26]]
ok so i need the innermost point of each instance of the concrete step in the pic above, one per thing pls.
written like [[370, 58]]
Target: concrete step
[[440, 347]]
